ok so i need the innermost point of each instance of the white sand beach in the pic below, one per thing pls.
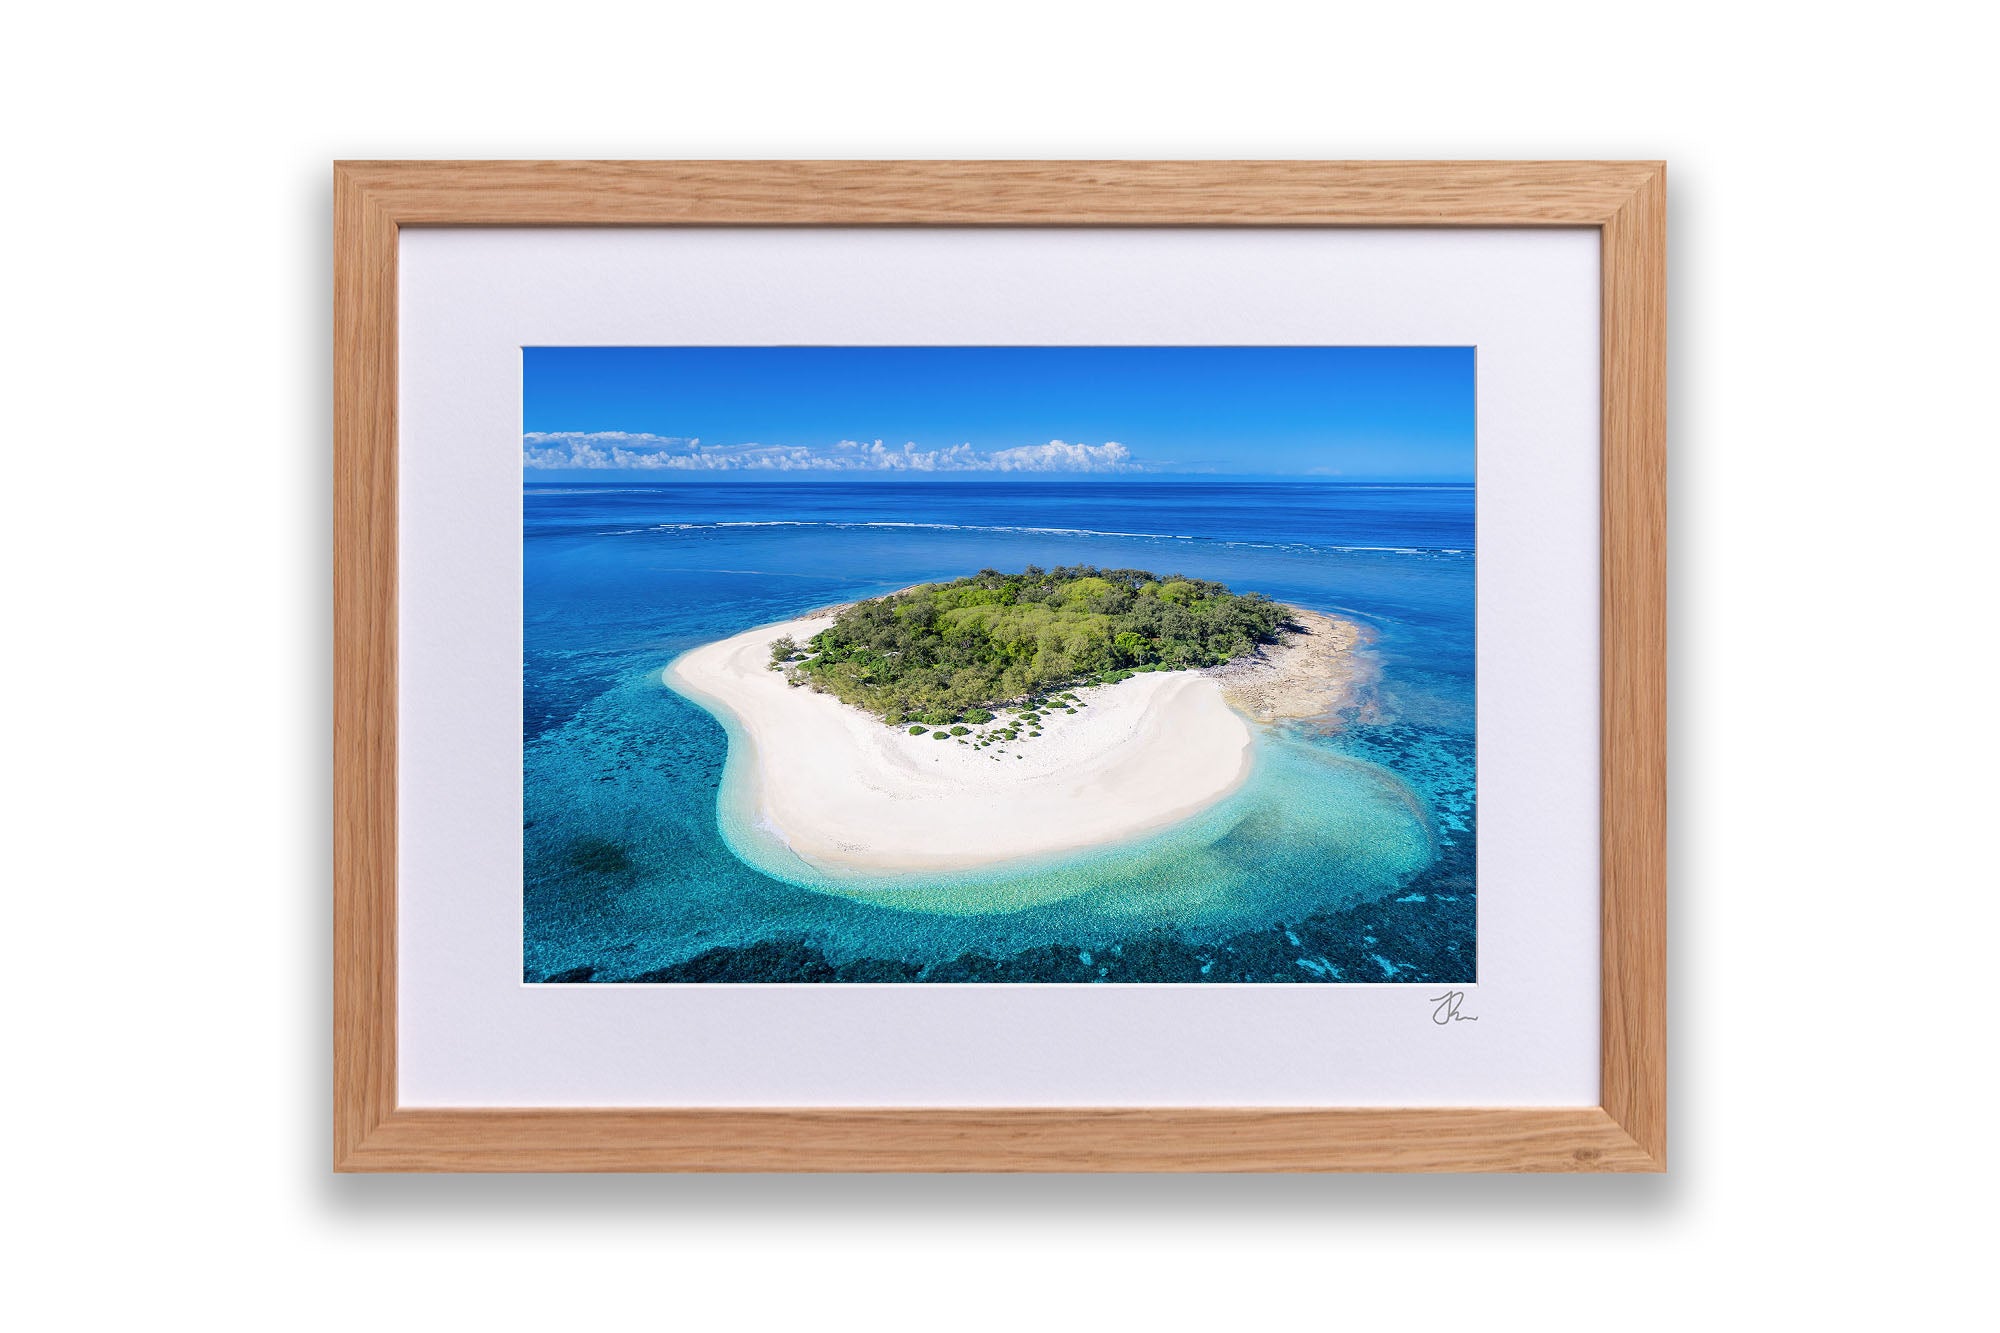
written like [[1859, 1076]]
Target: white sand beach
[[851, 794]]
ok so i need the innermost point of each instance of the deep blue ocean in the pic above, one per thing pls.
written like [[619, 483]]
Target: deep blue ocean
[[1348, 857]]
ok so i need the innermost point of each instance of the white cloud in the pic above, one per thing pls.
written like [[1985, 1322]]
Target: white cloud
[[542, 450], [1056, 456], [624, 450]]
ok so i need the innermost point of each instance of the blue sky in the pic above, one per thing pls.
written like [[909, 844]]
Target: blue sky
[[801, 413]]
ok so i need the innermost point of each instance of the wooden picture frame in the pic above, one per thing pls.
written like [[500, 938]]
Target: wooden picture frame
[[1624, 201]]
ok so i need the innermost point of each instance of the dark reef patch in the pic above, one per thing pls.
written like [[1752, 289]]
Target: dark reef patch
[[598, 856]]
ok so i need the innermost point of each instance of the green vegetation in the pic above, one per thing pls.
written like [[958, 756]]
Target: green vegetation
[[952, 652]]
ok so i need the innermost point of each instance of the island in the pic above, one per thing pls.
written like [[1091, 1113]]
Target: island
[[1004, 716]]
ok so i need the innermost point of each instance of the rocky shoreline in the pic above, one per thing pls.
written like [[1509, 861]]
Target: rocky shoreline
[[1313, 671]]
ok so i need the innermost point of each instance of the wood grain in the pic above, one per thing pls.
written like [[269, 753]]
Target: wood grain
[[364, 665], [1633, 762], [926, 193], [1029, 1139], [1625, 200]]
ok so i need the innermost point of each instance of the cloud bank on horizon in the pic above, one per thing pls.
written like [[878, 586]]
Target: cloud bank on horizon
[[550, 451]]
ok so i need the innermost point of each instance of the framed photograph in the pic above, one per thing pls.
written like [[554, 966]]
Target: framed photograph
[[987, 666]]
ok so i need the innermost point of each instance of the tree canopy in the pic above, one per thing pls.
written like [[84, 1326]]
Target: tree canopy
[[939, 653]]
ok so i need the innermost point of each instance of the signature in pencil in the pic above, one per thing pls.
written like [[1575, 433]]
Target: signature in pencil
[[1447, 1009]]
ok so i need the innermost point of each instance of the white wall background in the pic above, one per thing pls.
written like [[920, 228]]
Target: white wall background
[[166, 326]]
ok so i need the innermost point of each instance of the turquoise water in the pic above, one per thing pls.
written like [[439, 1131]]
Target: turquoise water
[[1347, 854]]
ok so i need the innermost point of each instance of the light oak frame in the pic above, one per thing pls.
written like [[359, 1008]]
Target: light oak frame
[[1625, 201]]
